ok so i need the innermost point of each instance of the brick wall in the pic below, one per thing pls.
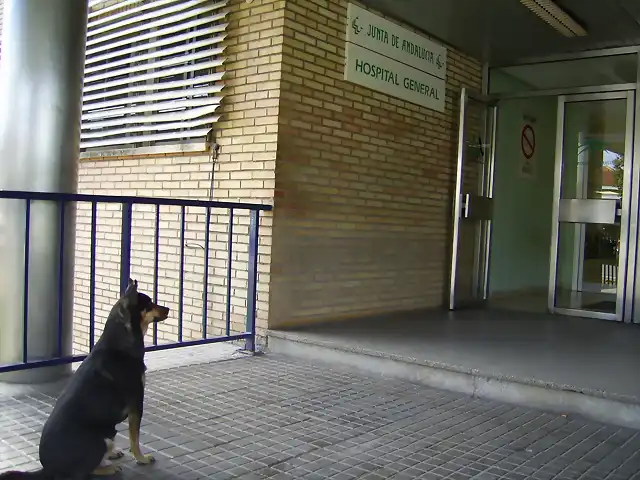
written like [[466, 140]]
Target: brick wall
[[362, 185], [363, 182], [244, 171]]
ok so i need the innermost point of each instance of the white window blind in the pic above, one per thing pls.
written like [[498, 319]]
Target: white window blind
[[153, 72]]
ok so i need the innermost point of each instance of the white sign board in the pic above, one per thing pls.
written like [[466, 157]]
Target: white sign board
[[528, 151], [388, 58], [377, 72], [380, 35]]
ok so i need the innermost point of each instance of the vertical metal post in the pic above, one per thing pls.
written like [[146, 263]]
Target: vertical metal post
[[25, 306], [205, 277], [183, 214], [125, 246], [252, 291], [229, 272], [156, 262], [41, 78], [92, 279], [61, 285]]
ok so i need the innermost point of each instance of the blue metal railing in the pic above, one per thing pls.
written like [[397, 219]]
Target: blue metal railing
[[127, 203]]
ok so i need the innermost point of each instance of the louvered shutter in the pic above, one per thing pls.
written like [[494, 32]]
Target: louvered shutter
[[153, 72]]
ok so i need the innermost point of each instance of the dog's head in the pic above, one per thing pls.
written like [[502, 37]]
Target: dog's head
[[150, 312], [143, 311], [134, 311]]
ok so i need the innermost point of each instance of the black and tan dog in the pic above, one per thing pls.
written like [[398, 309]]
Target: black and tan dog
[[78, 437]]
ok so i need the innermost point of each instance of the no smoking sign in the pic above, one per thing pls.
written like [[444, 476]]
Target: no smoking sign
[[528, 148], [528, 141]]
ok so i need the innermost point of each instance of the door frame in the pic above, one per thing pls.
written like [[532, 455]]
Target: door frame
[[627, 209], [483, 240]]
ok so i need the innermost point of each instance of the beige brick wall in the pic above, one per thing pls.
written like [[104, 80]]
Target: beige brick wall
[[244, 171], [363, 182], [362, 196], [362, 186]]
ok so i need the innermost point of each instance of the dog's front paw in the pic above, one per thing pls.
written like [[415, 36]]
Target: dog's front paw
[[107, 470], [116, 454], [145, 459]]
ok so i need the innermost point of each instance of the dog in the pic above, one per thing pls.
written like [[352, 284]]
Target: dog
[[78, 437]]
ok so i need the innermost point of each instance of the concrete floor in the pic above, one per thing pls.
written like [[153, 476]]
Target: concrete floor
[[591, 356], [273, 418]]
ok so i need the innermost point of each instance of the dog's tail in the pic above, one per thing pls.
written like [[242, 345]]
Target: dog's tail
[[16, 475]]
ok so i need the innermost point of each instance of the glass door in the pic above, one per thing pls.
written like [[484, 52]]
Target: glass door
[[472, 206], [591, 205]]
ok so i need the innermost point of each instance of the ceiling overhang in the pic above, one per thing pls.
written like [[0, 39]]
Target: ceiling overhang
[[503, 32]]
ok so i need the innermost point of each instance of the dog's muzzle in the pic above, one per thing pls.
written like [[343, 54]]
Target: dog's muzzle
[[161, 313]]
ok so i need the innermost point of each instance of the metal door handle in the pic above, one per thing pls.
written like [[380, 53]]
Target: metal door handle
[[577, 210], [476, 207]]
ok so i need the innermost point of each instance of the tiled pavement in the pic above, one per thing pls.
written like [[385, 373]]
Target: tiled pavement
[[269, 417]]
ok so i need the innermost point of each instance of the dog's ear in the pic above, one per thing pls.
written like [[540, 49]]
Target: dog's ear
[[131, 293], [132, 287]]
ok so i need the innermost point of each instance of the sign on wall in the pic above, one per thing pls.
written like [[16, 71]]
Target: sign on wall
[[528, 150], [388, 58]]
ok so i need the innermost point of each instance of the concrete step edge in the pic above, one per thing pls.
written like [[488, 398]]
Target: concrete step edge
[[600, 406]]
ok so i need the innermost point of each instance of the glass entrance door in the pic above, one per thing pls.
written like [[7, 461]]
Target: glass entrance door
[[591, 207], [472, 205]]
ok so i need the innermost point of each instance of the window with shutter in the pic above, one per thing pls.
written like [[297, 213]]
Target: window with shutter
[[153, 72]]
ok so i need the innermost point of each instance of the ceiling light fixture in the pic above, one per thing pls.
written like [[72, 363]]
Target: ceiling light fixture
[[553, 15]]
